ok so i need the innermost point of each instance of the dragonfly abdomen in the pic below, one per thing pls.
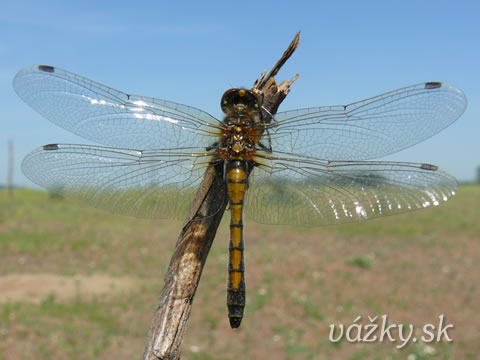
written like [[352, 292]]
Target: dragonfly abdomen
[[236, 187]]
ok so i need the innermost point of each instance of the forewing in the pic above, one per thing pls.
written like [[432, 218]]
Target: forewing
[[111, 117], [303, 192], [370, 128], [152, 184]]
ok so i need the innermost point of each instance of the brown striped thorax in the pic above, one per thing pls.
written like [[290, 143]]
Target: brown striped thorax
[[242, 124]]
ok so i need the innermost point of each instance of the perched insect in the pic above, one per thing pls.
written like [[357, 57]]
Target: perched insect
[[303, 167]]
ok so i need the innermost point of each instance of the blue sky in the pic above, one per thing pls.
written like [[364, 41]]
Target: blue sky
[[191, 52]]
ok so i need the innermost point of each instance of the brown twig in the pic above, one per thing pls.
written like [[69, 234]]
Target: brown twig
[[169, 321]]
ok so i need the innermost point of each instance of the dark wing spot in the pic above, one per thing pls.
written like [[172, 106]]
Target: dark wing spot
[[46, 68], [50, 147], [433, 85], [428, 167]]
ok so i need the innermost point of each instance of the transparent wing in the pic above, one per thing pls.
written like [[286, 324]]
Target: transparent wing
[[111, 117], [152, 184], [308, 192], [370, 128]]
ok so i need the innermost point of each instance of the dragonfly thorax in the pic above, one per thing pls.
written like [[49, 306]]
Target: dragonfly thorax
[[239, 137], [241, 125]]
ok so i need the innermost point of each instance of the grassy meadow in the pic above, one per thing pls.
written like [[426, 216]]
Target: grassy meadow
[[80, 283]]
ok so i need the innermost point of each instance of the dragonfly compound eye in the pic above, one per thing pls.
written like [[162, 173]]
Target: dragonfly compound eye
[[239, 99]]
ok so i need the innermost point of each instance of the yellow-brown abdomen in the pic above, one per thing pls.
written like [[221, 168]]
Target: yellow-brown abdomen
[[236, 187]]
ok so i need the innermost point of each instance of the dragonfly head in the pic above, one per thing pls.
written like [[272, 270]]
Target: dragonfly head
[[240, 99]]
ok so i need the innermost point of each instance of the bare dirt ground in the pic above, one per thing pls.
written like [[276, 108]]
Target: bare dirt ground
[[36, 287]]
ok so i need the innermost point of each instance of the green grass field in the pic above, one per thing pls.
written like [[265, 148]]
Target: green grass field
[[80, 283]]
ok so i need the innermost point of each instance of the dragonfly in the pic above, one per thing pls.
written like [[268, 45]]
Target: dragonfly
[[310, 166]]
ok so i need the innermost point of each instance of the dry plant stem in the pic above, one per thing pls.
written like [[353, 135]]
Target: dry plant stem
[[170, 318], [169, 321]]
